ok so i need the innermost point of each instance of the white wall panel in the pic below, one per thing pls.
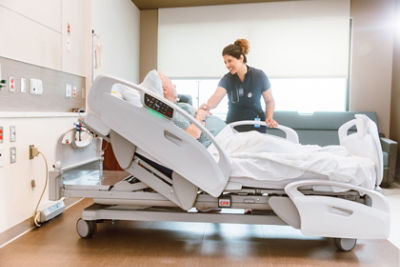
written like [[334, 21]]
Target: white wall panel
[[76, 45], [46, 12], [117, 23], [25, 40], [287, 39]]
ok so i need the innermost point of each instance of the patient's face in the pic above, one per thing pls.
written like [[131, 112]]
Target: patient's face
[[169, 89]]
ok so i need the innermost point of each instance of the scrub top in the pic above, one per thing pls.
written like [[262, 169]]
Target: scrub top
[[244, 97]]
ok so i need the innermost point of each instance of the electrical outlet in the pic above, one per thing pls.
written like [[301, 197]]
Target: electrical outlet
[[23, 85], [13, 133], [11, 84], [68, 90], [33, 151], [13, 154], [1, 134], [74, 91]]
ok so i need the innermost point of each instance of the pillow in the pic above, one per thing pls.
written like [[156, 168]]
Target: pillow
[[130, 95], [152, 82]]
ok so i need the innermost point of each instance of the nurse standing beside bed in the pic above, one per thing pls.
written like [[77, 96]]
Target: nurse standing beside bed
[[244, 86]]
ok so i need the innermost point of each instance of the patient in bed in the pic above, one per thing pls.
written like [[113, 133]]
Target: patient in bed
[[163, 86], [212, 123]]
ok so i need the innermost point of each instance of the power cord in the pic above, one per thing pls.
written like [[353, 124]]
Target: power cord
[[33, 152]]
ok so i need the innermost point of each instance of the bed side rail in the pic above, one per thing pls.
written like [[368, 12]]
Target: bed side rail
[[291, 134], [337, 217]]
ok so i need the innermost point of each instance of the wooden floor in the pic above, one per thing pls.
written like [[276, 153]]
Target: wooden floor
[[184, 244]]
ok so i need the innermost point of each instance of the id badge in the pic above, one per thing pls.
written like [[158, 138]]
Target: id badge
[[241, 91]]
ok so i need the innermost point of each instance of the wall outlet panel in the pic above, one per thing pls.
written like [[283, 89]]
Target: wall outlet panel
[[13, 155], [49, 93], [13, 133], [23, 85]]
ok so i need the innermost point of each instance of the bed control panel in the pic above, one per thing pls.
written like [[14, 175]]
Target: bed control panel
[[158, 106]]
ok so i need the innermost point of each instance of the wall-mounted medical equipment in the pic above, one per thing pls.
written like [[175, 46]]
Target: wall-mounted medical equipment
[[29, 88]]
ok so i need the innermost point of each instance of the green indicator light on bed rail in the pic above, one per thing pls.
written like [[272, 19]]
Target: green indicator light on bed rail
[[152, 111]]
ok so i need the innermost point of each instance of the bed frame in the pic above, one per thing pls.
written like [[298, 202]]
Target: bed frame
[[198, 189]]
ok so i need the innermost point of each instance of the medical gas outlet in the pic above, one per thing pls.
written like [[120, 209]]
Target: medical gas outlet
[[11, 84], [36, 87]]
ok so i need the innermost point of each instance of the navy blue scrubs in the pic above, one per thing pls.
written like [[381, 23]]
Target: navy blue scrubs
[[244, 97]]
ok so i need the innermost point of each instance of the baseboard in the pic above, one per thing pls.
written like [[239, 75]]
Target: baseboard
[[27, 225]]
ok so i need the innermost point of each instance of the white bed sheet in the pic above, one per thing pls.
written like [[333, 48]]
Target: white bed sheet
[[268, 158]]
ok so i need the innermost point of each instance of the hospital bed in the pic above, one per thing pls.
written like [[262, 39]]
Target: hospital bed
[[198, 186]]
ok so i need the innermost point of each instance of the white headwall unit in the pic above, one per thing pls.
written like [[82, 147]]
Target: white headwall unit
[[287, 39], [117, 23]]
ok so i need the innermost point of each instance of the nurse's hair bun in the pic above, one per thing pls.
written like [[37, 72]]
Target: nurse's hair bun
[[244, 45], [239, 48]]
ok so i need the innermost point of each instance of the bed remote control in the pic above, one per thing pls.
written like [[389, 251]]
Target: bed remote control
[[158, 106]]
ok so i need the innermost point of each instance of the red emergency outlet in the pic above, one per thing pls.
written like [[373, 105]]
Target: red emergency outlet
[[1, 134], [12, 83]]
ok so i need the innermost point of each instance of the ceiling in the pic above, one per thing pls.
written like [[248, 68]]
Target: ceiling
[[154, 4]]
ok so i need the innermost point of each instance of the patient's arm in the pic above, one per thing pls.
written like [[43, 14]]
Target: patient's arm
[[192, 129]]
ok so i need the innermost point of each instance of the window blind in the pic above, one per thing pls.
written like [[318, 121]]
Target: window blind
[[307, 38]]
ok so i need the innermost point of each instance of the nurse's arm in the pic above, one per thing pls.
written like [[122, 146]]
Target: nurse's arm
[[270, 107], [215, 99]]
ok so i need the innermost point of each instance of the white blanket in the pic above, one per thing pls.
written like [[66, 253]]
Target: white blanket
[[266, 157]]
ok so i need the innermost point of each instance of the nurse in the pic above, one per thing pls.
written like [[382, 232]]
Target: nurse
[[244, 86]]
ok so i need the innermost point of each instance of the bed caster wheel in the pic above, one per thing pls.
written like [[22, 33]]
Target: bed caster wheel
[[345, 244], [85, 229]]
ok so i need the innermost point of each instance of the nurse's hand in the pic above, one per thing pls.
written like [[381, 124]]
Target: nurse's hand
[[205, 107], [271, 123]]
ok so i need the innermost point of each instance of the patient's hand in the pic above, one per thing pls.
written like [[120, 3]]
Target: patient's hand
[[201, 115], [271, 123]]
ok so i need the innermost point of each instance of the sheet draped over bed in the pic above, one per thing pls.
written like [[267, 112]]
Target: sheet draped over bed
[[270, 158]]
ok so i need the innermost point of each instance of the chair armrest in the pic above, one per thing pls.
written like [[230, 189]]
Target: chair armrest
[[185, 99], [390, 147], [388, 144]]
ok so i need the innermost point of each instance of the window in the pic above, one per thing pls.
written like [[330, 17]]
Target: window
[[304, 95]]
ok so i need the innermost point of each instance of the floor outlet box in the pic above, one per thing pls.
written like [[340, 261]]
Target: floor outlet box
[[51, 210]]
